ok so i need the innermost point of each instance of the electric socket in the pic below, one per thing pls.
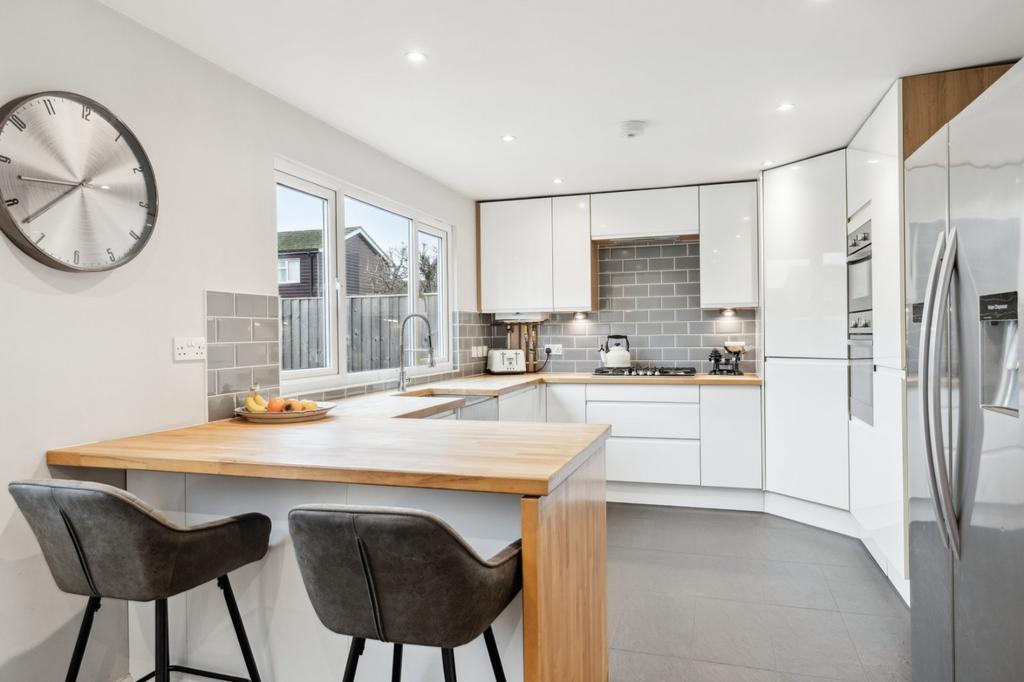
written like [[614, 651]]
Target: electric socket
[[478, 351], [187, 348], [555, 348]]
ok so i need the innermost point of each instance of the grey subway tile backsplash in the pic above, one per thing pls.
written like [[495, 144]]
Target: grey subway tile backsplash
[[220, 304], [235, 360], [249, 305], [234, 329], [650, 291]]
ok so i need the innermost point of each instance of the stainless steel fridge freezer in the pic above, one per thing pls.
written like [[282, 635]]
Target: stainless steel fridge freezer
[[965, 210]]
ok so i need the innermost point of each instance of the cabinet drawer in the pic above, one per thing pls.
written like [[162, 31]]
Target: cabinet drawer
[[644, 393], [647, 420], [653, 460]]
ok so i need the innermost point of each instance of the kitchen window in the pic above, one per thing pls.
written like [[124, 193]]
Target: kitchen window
[[383, 260]]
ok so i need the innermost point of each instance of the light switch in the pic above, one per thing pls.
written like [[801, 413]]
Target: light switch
[[188, 348]]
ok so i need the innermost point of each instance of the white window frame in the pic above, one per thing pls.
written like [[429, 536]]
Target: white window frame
[[288, 261], [337, 375]]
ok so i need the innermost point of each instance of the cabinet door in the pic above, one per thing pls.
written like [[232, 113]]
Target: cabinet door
[[874, 177], [647, 420], [730, 436], [573, 255], [806, 430], [523, 406], [515, 256], [805, 258], [645, 213], [728, 245], [567, 403], [653, 460]]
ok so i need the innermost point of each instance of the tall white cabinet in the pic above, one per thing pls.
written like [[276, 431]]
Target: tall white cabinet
[[805, 258], [728, 245]]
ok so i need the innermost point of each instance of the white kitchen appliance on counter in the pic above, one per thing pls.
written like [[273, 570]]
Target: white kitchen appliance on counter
[[613, 354], [506, 361]]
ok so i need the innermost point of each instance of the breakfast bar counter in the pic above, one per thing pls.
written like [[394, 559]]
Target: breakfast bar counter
[[494, 482]]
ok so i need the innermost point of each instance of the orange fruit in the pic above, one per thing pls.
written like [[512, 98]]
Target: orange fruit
[[292, 406], [276, 404]]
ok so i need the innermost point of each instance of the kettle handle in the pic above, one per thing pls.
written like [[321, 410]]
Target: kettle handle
[[616, 336]]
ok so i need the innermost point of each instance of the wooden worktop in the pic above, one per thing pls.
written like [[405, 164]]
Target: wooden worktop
[[521, 458], [500, 384], [389, 405]]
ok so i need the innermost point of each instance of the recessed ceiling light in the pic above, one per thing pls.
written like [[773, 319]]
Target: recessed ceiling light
[[767, 163], [785, 106], [872, 160], [558, 181], [508, 138], [416, 57], [583, 204]]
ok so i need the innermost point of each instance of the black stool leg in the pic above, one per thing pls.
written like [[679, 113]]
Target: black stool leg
[[396, 664], [355, 650], [492, 651], [163, 646], [236, 619], [83, 638], [448, 660]]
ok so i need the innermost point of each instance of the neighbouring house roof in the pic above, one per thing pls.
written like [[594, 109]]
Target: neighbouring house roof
[[300, 240], [360, 232]]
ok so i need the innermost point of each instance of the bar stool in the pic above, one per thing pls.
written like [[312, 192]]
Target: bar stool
[[401, 576], [104, 543]]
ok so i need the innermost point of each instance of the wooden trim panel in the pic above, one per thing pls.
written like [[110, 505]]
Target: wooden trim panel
[[565, 580], [931, 100]]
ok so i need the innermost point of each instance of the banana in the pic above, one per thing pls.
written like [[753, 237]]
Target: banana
[[252, 405], [309, 405], [260, 400]]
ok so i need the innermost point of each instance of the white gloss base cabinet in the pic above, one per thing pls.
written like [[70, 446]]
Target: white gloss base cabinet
[[527, 405], [728, 245], [806, 419], [567, 403], [653, 460], [645, 213], [730, 436], [804, 233]]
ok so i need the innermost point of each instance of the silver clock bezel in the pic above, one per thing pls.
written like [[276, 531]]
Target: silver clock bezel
[[10, 226]]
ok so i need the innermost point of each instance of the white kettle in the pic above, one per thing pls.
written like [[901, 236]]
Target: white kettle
[[614, 354]]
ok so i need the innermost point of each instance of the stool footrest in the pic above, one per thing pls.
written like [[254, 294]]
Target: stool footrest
[[196, 671]]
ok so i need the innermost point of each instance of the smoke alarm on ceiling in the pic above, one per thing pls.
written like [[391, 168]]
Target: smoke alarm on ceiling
[[633, 128]]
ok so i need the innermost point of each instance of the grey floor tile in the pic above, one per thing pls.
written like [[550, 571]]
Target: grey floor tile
[[735, 633], [655, 624], [813, 642], [883, 644], [703, 671], [794, 584], [812, 546], [630, 666], [860, 590]]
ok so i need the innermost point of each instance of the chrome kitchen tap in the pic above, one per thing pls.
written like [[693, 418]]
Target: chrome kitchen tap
[[401, 349]]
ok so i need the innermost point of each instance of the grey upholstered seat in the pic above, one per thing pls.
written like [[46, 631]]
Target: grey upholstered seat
[[401, 576], [102, 542]]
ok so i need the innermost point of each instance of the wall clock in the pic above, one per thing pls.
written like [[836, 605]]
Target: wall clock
[[77, 188]]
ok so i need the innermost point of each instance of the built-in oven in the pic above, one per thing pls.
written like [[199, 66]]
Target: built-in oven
[[862, 367], [858, 268]]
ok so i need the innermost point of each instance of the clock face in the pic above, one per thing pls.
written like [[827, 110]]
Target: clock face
[[78, 191]]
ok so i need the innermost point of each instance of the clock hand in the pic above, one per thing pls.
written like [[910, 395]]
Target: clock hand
[[50, 205], [27, 178]]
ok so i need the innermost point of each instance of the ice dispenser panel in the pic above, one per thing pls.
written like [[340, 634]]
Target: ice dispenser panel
[[1000, 364]]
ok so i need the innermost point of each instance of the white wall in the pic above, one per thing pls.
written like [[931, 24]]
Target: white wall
[[88, 356]]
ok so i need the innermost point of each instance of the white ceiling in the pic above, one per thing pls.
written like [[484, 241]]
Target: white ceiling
[[562, 74]]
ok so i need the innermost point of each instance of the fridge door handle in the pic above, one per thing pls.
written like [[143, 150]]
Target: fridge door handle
[[924, 378], [939, 322]]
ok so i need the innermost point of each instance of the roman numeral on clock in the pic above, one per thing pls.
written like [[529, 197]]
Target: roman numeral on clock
[[11, 202], [18, 123], [5, 159], [49, 107], [134, 235]]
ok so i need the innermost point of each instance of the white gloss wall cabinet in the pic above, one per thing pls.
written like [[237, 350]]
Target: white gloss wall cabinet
[[804, 233], [806, 430], [516, 256], [573, 255], [567, 403], [645, 213], [527, 405], [730, 436], [874, 184], [728, 245]]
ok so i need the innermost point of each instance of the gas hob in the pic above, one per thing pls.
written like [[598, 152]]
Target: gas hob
[[645, 371]]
